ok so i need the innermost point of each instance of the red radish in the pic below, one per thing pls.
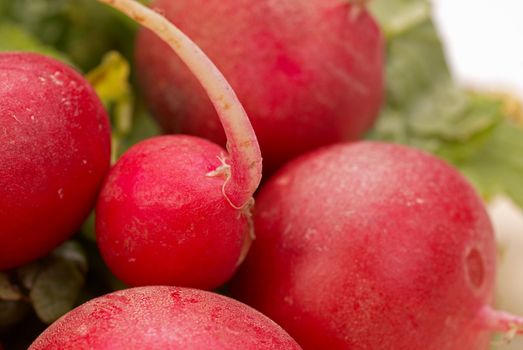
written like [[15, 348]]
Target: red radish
[[373, 246], [175, 210], [54, 153], [161, 220], [164, 318], [309, 73]]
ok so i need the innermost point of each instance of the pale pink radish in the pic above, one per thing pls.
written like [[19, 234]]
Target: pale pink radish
[[309, 72], [176, 209], [164, 318], [374, 246], [54, 153]]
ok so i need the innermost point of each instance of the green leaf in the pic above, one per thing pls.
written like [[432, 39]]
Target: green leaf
[[83, 29], [89, 227], [498, 167], [144, 127], [72, 251], [111, 81], [130, 119], [55, 282], [8, 291], [110, 78], [27, 274], [397, 16], [15, 38], [426, 109], [56, 289]]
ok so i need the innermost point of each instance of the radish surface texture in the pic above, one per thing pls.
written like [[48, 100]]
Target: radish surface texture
[[161, 219], [164, 318], [176, 209], [54, 153], [373, 246], [309, 73]]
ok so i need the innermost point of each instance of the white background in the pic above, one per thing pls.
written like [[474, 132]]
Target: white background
[[484, 41]]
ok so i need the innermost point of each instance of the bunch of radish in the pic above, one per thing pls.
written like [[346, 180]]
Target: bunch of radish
[[354, 246]]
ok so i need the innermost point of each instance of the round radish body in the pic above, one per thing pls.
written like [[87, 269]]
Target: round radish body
[[54, 153], [157, 225], [164, 318], [373, 246], [309, 73], [176, 210]]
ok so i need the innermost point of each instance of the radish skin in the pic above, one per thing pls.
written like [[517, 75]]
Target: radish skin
[[176, 210], [393, 250], [153, 218], [309, 73], [54, 154], [164, 318]]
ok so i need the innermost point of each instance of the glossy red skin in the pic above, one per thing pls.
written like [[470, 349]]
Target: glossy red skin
[[371, 246], [309, 73], [161, 220], [164, 318], [54, 153]]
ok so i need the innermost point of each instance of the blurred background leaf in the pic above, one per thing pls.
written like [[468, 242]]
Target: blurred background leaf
[[83, 30], [40, 292], [16, 38], [425, 108]]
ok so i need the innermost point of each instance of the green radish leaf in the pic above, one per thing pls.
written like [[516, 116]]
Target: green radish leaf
[[55, 282], [143, 127], [498, 166], [130, 119], [111, 82], [52, 285], [56, 289], [425, 108], [398, 16], [110, 78], [84, 30], [8, 291], [27, 274], [15, 38], [72, 251], [89, 228]]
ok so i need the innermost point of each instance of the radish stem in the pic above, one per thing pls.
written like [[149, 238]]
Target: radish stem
[[500, 321], [242, 145]]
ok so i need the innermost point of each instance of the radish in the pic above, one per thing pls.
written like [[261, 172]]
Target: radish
[[373, 246], [176, 209], [309, 73], [164, 318], [54, 153]]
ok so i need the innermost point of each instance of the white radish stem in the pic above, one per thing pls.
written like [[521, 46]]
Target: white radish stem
[[500, 321], [242, 145]]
